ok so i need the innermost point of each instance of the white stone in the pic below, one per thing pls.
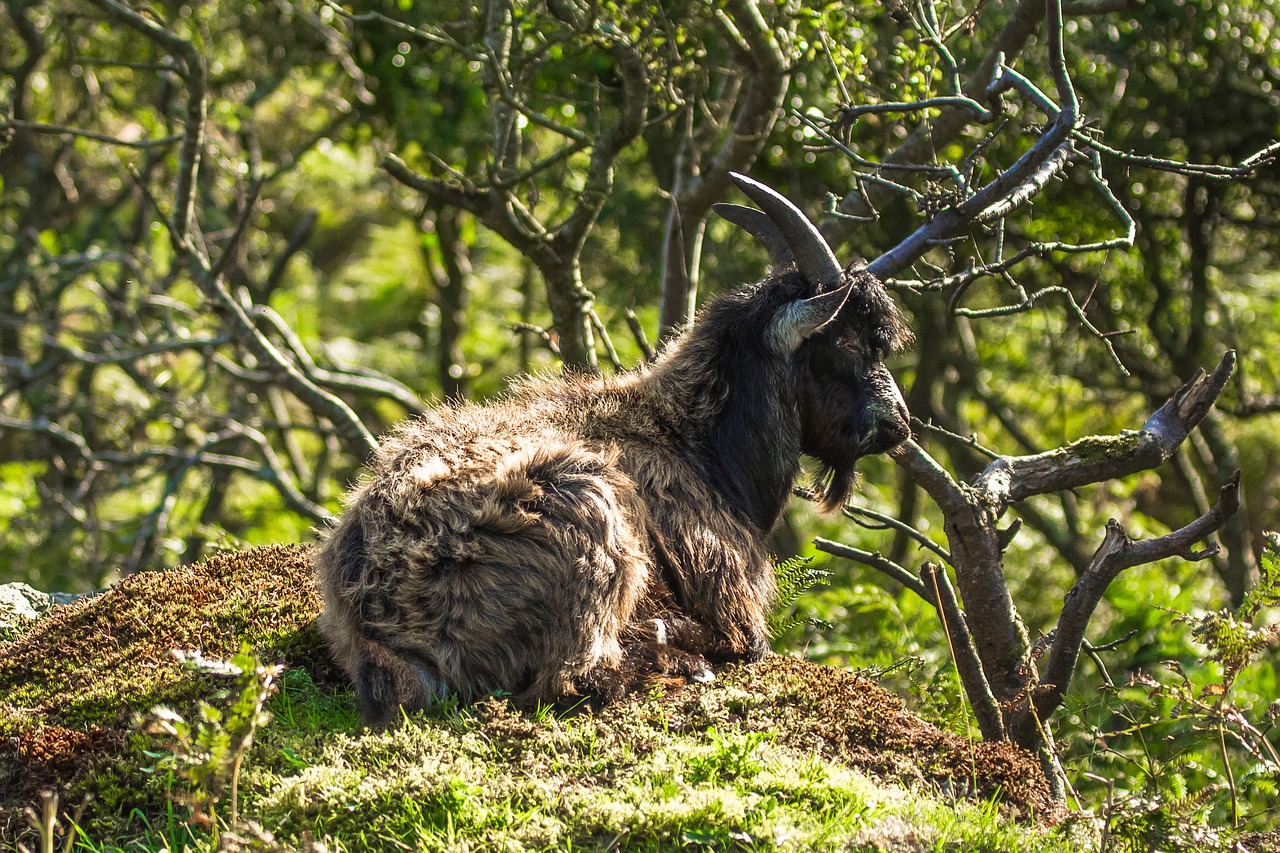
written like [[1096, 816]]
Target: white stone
[[20, 602]]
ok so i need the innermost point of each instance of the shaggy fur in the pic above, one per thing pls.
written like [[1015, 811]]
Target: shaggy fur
[[582, 532]]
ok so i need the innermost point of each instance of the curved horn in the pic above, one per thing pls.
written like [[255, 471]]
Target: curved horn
[[814, 257], [758, 224], [804, 317]]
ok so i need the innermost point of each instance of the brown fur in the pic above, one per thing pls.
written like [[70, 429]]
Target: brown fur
[[582, 531]]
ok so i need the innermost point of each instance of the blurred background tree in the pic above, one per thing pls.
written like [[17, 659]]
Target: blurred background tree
[[238, 240]]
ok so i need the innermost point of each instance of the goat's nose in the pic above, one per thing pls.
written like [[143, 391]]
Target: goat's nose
[[899, 404]]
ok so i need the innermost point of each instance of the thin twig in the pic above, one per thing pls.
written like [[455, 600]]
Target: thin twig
[[877, 561], [889, 522], [63, 130]]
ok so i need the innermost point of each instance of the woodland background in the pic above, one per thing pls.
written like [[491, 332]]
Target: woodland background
[[239, 239]]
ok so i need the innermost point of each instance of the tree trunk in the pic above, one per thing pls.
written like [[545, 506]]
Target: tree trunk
[[453, 298]]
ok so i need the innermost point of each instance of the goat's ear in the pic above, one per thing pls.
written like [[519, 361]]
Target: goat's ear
[[799, 320]]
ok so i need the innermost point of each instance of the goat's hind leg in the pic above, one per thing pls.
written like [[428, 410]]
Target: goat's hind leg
[[385, 682], [388, 685]]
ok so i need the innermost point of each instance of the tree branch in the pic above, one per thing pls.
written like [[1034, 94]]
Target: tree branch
[[1099, 458], [941, 131], [877, 561], [1117, 553], [964, 653], [194, 75]]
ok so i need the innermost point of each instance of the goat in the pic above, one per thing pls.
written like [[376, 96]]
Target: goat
[[536, 545]]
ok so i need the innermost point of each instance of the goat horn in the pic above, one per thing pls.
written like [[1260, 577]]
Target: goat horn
[[758, 224], [814, 258], [805, 317]]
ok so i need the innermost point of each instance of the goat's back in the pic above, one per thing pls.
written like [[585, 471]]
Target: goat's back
[[489, 548]]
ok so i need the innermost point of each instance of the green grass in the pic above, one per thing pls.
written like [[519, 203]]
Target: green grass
[[654, 776], [492, 778]]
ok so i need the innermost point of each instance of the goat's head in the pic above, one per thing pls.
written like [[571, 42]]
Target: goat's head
[[835, 329]]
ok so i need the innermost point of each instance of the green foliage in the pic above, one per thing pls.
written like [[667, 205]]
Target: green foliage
[[206, 752], [795, 577], [307, 102], [1189, 744]]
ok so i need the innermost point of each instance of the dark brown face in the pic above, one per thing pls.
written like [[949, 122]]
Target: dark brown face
[[850, 405]]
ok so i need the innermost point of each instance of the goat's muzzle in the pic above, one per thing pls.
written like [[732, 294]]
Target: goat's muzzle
[[891, 424]]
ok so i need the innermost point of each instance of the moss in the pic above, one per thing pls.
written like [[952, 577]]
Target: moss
[[72, 685], [777, 755], [1103, 447], [100, 658]]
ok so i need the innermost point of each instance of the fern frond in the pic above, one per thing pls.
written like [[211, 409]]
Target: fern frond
[[795, 576]]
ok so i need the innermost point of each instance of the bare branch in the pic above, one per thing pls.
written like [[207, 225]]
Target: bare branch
[[965, 653], [383, 386], [638, 334], [970, 441], [877, 561], [470, 199], [927, 472], [63, 130], [888, 522], [607, 342], [1117, 553], [1095, 459], [297, 239], [1247, 167], [850, 113], [194, 75], [44, 425]]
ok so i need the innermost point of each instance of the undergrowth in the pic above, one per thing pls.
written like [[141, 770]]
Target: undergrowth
[[1181, 752]]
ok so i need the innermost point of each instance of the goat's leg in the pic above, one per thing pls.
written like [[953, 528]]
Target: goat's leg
[[720, 581]]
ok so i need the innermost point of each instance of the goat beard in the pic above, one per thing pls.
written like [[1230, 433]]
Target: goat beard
[[835, 483]]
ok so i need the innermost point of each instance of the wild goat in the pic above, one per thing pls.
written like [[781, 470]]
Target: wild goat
[[555, 542]]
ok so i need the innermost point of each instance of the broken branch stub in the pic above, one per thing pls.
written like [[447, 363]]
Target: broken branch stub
[[1095, 459]]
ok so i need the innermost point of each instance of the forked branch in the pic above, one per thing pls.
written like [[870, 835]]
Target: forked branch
[[1117, 553], [990, 646]]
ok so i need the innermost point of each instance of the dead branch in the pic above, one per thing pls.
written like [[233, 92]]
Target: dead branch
[[1098, 459], [1117, 553], [964, 652]]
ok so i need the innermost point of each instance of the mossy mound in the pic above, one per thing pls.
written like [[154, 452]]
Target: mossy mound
[[844, 717], [73, 686]]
